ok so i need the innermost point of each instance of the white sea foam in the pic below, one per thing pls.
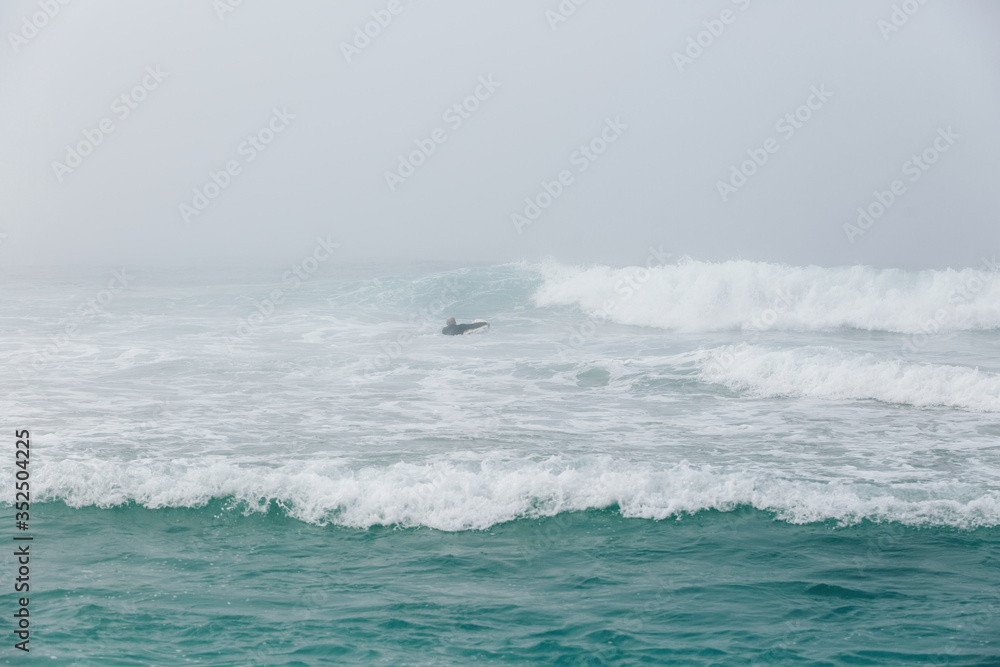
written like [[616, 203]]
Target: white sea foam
[[705, 296], [471, 492], [824, 372]]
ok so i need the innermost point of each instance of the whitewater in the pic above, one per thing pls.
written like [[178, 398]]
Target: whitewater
[[661, 405], [680, 409]]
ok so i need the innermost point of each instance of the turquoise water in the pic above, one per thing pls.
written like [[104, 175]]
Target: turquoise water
[[704, 464], [212, 586]]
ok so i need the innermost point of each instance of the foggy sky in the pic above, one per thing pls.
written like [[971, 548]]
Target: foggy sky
[[202, 85]]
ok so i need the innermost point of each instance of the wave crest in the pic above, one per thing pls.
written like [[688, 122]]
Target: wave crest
[[827, 373], [475, 494], [704, 296]]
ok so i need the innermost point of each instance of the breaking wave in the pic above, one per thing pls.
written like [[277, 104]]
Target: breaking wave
[[462, 494], [827, 373], [704, 296]]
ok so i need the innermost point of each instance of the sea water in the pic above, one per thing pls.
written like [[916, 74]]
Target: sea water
[[692, 464]]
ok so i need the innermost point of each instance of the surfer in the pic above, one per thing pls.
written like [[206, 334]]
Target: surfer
[[455, 329]]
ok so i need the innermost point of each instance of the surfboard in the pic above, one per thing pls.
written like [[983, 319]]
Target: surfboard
[[477, 329]]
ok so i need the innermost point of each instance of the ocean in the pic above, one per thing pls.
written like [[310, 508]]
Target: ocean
[[681, 463]]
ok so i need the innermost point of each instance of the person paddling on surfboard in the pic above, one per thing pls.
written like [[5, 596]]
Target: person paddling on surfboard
[[455, 329]]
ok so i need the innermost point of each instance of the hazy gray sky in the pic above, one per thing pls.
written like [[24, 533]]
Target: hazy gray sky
[[300, 115]]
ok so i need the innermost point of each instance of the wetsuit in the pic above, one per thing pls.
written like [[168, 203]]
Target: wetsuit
[[459, 329]]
